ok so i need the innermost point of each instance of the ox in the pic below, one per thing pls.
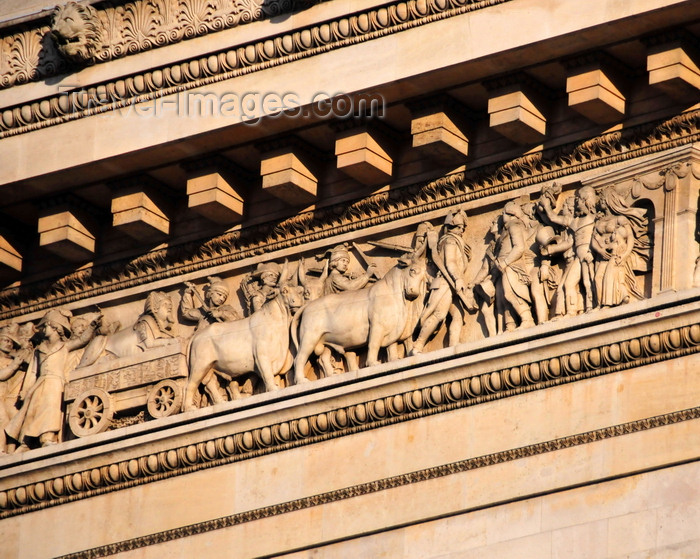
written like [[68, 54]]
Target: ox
[[378, 317], [259, 343]]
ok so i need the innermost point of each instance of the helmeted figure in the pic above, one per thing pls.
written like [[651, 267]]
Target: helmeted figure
[[212, 308], [451, 256], [340, 278]]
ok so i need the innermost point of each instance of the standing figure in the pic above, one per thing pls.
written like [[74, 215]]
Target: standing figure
[[613, 245], [577, 252], [340, 278], [515, 262], [448, 292], [261, 286], [484, 283], [212, 308], [11, 378], [40, 419]]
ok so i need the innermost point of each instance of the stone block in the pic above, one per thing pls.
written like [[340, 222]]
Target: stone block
[[593, 94], [210, 195], [514, 115], [10, 258], [65, 232], [286, 176], [672, 68], [437, 135], [136, 212], [363, 156]]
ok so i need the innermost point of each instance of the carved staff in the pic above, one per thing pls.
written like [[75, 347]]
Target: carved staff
[[466, 297], [365, 261], [390, 246]]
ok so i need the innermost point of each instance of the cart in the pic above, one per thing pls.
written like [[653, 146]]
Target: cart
[[153, 379]]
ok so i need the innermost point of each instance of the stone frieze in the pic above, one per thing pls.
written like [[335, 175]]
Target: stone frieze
[[382, 208]]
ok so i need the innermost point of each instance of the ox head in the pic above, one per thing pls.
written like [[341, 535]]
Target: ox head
[[414, 275], [293, 296]]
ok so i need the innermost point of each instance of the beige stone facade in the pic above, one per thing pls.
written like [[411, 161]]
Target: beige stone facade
[[333, 279]]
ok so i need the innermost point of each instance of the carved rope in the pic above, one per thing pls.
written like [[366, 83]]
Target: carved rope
[[386, 207], [389, 483], [230, 63], [414, 404]]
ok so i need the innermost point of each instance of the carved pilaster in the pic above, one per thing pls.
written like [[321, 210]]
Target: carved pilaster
[[677, 253]]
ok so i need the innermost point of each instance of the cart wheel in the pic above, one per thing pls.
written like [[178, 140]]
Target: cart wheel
[[165, 399], [91, 413]]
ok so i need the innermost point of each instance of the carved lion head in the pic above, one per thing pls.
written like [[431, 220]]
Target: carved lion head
[[75, 30]]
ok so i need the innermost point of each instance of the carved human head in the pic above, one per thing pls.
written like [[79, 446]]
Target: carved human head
[[79, 325], [513, 211], [75, 29], [159, 306], [217, 292], [57, 320], [268, 273], [586, 200], [456, 221], [8, 340], [340, 258]]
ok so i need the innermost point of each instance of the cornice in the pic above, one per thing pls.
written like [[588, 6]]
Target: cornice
[[227, 64], [373, 414], [393, 482], [381, 208], [128, 28]]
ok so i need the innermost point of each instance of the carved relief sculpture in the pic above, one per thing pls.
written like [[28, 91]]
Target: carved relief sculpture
[[576, 247], [12, 375], [484, 284], [40, 419], [340, 277], [154, 328], [378, 317], [75, 30], [212, 308], [258, 343], [448, 293], [261, 285]]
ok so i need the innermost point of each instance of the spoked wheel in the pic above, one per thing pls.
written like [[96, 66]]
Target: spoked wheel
[[165, 399], [91, 413]]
